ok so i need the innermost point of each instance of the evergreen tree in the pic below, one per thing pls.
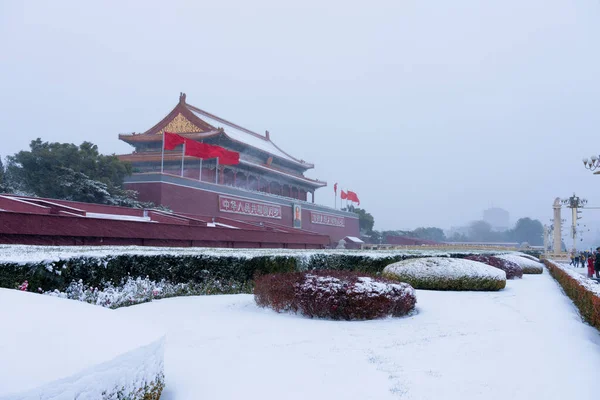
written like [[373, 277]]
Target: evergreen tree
[[528, 230], [431, 233], [365, 220], [3, 187], [70, 172]]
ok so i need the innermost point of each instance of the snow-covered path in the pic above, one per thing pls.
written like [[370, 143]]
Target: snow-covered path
[[525, 342]]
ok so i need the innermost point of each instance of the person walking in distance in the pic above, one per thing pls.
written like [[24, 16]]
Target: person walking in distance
[[590, 265], [597, 263]]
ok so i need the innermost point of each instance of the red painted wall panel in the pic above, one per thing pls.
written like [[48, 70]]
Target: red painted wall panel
[[194, 201], [26, 228]]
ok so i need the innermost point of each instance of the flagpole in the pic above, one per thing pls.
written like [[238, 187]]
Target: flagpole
[[200, 174], [162, 155], [182, 157], [217, 172]]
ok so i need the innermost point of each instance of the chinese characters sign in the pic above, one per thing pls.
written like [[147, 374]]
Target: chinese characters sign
[[327, 219], [248, 207]]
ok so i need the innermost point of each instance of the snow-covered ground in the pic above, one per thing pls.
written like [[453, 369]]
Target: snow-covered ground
[[55, 349], [524, 342]]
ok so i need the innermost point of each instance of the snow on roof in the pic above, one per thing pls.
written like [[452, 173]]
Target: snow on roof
[[117, 217], [275, 171], [22, 201], [353, 239], [243, 135]]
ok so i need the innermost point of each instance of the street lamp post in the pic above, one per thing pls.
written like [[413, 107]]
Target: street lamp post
[[591, 163], [574, 203]]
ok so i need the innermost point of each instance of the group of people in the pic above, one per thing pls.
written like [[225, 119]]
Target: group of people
[[591, 259]]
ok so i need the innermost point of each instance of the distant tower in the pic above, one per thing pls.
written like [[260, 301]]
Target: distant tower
[[498, 218]]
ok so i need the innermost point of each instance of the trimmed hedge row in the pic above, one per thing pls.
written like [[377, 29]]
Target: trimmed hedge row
[[436, 273], [512, 269], [586, 300], [339, 295], [200, 268], [528, 265]]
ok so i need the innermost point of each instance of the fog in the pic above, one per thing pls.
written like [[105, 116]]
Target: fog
[[430, 111]]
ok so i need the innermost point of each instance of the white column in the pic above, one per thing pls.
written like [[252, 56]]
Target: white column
[[557, 227]]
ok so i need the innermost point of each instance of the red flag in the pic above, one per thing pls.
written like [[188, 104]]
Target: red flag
[[344, 195], [227, 157], [204, 151], [172, 140], [201, 150], [353, 197], [335, 188]]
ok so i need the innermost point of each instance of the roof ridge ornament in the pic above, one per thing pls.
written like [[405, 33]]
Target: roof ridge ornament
[[267, 135], [182, 97]]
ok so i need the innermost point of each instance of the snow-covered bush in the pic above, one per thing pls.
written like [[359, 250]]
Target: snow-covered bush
[[439, 273], [528, 256], [529, 266], [55, 267], [512, 269], [584, 292], [141, 290], [336, 295]]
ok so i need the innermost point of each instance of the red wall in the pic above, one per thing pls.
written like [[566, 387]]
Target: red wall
[[42, 229], [195, 201]]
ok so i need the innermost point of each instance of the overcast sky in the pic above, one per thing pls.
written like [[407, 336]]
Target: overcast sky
[[430, 110]]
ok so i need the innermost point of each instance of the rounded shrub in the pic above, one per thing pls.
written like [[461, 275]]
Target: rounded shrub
[[529, 266], [339, 295], [440, 273], [513, 270], [527, 256]]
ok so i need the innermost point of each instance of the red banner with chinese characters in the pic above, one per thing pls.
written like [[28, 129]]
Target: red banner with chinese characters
[[327, 219], [249, 207]]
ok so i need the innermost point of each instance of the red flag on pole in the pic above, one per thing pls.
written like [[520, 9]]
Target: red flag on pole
[[172, 140], [335, 188], [204, 151], [344, 195], [353, 197], [201, 150], [227, 157]]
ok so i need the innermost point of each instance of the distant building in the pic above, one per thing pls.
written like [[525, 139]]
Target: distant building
[[498, 218]]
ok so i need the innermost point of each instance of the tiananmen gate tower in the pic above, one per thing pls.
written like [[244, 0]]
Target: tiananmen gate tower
[[267, 187]]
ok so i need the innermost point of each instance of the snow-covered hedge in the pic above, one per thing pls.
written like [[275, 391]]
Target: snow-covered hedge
[[335, 295], [139, 290], [52, 349], [438, 273], [527, 256], [512, 269], [55, 268], [584, 292], [529, 266]]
